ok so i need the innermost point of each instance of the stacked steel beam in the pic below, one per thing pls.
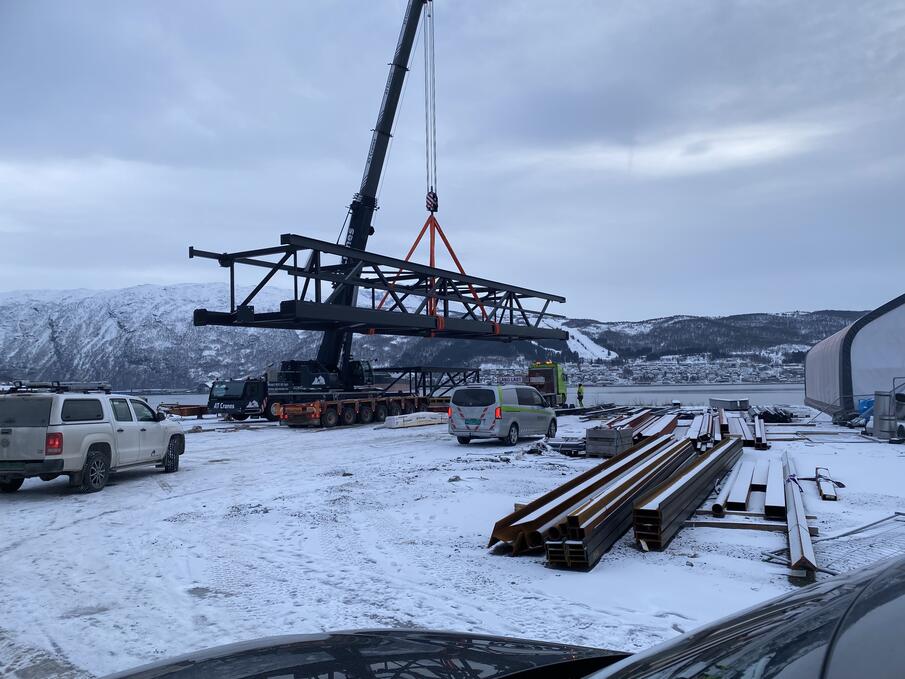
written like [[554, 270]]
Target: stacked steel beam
[[772, 414], [775, 500], [716, 429], [529, 526], [592, 528], [738, 426], [801, 550], [664, 424], [760, 434], [660, 513], [701, 430]]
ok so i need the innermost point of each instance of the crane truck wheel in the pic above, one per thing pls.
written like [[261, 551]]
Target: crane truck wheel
[[329, 418], [239, 417], [272, 411], [407, 408], [348, 416], [395, 410], [380, 412], [365, 414]]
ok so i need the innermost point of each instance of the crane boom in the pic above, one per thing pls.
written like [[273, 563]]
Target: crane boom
[[336, 344]]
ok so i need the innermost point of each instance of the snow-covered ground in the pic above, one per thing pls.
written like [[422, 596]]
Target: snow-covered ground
[[271, 531]]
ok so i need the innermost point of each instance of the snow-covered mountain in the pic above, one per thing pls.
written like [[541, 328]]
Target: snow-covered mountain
[[143, 337], [780, 335]]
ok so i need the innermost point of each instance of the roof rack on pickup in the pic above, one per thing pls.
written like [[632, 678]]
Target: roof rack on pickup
[[20, 386]]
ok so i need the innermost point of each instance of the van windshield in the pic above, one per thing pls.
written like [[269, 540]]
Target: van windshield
[[473, 398], [24, 412]]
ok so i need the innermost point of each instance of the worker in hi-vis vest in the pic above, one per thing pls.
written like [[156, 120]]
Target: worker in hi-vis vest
[[581, 396]]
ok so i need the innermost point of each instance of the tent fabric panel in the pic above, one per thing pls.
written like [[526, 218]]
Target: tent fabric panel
[[878, 353], [823, 373]]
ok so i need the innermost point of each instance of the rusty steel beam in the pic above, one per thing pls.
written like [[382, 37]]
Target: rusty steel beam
[[548, 510], [596, 526], [660, 513]]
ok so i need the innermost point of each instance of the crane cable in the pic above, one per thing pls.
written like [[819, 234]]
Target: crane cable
[[430, 108]]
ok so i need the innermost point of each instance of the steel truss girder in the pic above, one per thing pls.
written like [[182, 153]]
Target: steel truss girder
[[466, 307]]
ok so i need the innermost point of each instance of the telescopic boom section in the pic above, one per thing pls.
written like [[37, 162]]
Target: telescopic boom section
[[336, 345], [365, 201]]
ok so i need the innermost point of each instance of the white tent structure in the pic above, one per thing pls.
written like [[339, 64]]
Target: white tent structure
[[862, 358]]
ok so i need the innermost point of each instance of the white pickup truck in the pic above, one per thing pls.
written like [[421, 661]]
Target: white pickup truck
[[85, 432]]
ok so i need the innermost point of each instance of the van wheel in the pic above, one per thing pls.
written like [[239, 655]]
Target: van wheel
[[512, 437], [464, 440], [380, 413], [329, 418], [171, 458], [95, 472], [551, 430], [365, 414], [348, 416], [11, 486]]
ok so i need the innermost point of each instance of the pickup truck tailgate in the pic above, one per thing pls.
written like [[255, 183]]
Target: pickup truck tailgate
[[23, 427]]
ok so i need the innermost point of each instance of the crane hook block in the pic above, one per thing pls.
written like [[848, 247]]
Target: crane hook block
[[432, 202]]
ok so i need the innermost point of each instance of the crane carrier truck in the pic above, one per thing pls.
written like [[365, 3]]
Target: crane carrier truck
[[295, 397]]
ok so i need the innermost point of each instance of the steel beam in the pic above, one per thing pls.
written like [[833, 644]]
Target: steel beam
[[460, 316]]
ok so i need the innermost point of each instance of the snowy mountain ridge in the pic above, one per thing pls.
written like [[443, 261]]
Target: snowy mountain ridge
[[143, 337]]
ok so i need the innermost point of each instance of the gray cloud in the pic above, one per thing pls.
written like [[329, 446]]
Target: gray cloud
[[642, 159]]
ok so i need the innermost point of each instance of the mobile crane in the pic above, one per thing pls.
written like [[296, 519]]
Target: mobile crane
[[333, 387], [334, 370]]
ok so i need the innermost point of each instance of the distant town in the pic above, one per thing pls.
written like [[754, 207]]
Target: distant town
[[669, 370]]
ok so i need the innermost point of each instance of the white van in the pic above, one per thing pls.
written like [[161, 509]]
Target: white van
[[505, 411]]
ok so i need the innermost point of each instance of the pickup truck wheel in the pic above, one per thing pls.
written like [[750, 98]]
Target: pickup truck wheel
[[380, 413], [329, 418], [512, 437], [348, 415], [365, 414], [171, 457], [551, 430], [95, 472], [48, 477], [11, 486]]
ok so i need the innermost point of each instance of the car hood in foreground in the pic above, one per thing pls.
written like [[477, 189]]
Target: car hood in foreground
[[382, 653]]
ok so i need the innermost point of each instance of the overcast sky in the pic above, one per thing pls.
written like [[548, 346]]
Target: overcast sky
[[640, 158]]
